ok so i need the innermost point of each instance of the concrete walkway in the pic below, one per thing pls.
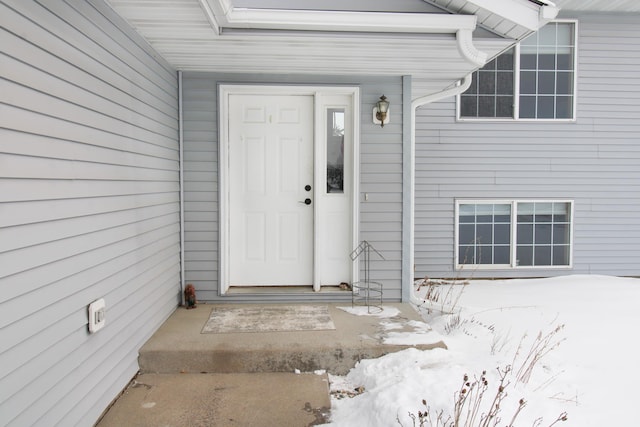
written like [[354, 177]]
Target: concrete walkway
[[247, 379], [256, 400]]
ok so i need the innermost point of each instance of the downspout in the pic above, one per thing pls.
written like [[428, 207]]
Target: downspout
[[181, 166], [460, 87], [464, 40]]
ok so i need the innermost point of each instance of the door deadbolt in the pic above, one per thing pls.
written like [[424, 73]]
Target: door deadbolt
[[307, 187]]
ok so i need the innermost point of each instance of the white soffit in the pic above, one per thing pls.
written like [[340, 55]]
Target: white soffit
[[523, 13], [514, 19], [617, 6]]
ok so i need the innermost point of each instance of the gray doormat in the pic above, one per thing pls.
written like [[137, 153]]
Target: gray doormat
[[268, 319]]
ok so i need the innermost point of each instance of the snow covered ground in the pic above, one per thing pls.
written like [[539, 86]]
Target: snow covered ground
[[591, 371]]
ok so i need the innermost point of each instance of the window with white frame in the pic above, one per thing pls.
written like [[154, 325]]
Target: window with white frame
[[484, 233], [512, 234], [534, 80]]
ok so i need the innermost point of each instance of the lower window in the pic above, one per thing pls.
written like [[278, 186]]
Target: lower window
[[511, 234]]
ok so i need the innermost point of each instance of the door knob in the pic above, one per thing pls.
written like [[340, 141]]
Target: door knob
[[306, 201]]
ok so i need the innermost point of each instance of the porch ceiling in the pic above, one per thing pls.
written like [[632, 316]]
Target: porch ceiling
[[428, 39]]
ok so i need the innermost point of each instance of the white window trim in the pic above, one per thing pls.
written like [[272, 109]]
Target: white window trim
[[516, 89], [514, 235]]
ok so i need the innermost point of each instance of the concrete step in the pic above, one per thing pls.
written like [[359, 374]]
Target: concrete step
[[180, 347]]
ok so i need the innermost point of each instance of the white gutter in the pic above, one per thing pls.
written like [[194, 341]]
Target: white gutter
[[221, 14], [320, 20], [181, 166], [460, 87]]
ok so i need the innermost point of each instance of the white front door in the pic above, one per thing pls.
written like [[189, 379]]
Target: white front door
[[271, 195], [288, 185]]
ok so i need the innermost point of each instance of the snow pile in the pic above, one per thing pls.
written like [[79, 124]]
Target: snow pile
[[373, 311], [582, 329]]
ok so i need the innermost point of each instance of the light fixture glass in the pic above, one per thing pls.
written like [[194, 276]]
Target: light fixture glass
[[383, 105], [381, 111]]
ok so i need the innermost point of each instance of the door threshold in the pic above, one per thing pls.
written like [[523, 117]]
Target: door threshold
[[284, 290]]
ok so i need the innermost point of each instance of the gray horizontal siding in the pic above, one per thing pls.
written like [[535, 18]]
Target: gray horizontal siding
[[200, 163], [89, 207], [593, 161], [381, 155], [380, 177]]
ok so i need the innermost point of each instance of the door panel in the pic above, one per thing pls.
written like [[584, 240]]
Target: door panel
[[270, 163]]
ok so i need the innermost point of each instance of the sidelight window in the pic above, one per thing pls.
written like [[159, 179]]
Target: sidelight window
[[335, 150]]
